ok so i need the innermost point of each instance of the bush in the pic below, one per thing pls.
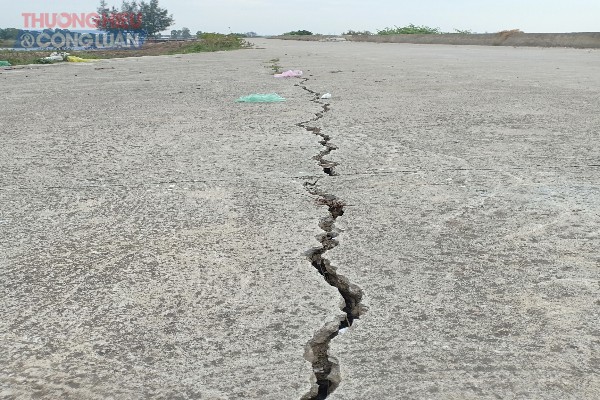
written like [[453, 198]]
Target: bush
[[510, 32], [216, 42], [357, 33], [410, 30], [9, 34], [504, 35], [298, 33], [43, 61]]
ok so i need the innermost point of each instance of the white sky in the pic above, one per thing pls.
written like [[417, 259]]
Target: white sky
[[335, 16]]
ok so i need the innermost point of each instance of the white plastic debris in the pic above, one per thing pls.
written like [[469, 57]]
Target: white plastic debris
[[56, 56], [326, 96], [343, 330]]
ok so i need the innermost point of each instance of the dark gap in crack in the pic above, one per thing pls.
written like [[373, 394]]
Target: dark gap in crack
[[327, 166], [325, 367], [352, 295]]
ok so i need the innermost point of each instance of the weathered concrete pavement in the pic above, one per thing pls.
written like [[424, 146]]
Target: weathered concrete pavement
[[155, 234]]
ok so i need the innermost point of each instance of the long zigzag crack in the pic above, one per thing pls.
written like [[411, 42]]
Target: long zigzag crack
[[325, 367]]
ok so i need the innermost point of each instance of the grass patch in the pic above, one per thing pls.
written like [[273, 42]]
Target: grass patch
[[410, 30], [24, 57], [207, 43], [357, 33], [214, 42], [503, 36], [275, 67], [302, 32], [508, 33]]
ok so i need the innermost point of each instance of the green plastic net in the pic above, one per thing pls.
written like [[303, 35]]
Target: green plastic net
[[261, 98]]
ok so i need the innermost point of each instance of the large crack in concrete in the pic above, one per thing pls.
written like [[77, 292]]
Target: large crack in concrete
[[326, 368], [328, 166]]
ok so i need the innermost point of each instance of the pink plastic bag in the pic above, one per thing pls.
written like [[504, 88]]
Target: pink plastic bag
[[289, 74]]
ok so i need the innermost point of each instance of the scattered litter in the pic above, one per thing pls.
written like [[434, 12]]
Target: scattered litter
[[56, 57], [76, 59], [326, 96], [289, 74], [4, 64], [343, 330], [53, 58], [261, 98], [333, 39]]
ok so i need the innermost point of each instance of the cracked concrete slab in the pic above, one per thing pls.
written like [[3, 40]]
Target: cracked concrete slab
[[154, 231], [156, 236], [471, 182]]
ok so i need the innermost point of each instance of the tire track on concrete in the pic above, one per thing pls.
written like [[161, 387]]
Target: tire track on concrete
[[326, 368]]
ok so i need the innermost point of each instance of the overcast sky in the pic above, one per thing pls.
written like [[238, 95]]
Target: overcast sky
[[335, 16]]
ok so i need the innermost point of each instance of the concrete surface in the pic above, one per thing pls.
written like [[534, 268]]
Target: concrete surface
[[154, 233], [581, 40]]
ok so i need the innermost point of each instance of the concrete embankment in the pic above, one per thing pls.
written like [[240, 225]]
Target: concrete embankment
[[509, 38]]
